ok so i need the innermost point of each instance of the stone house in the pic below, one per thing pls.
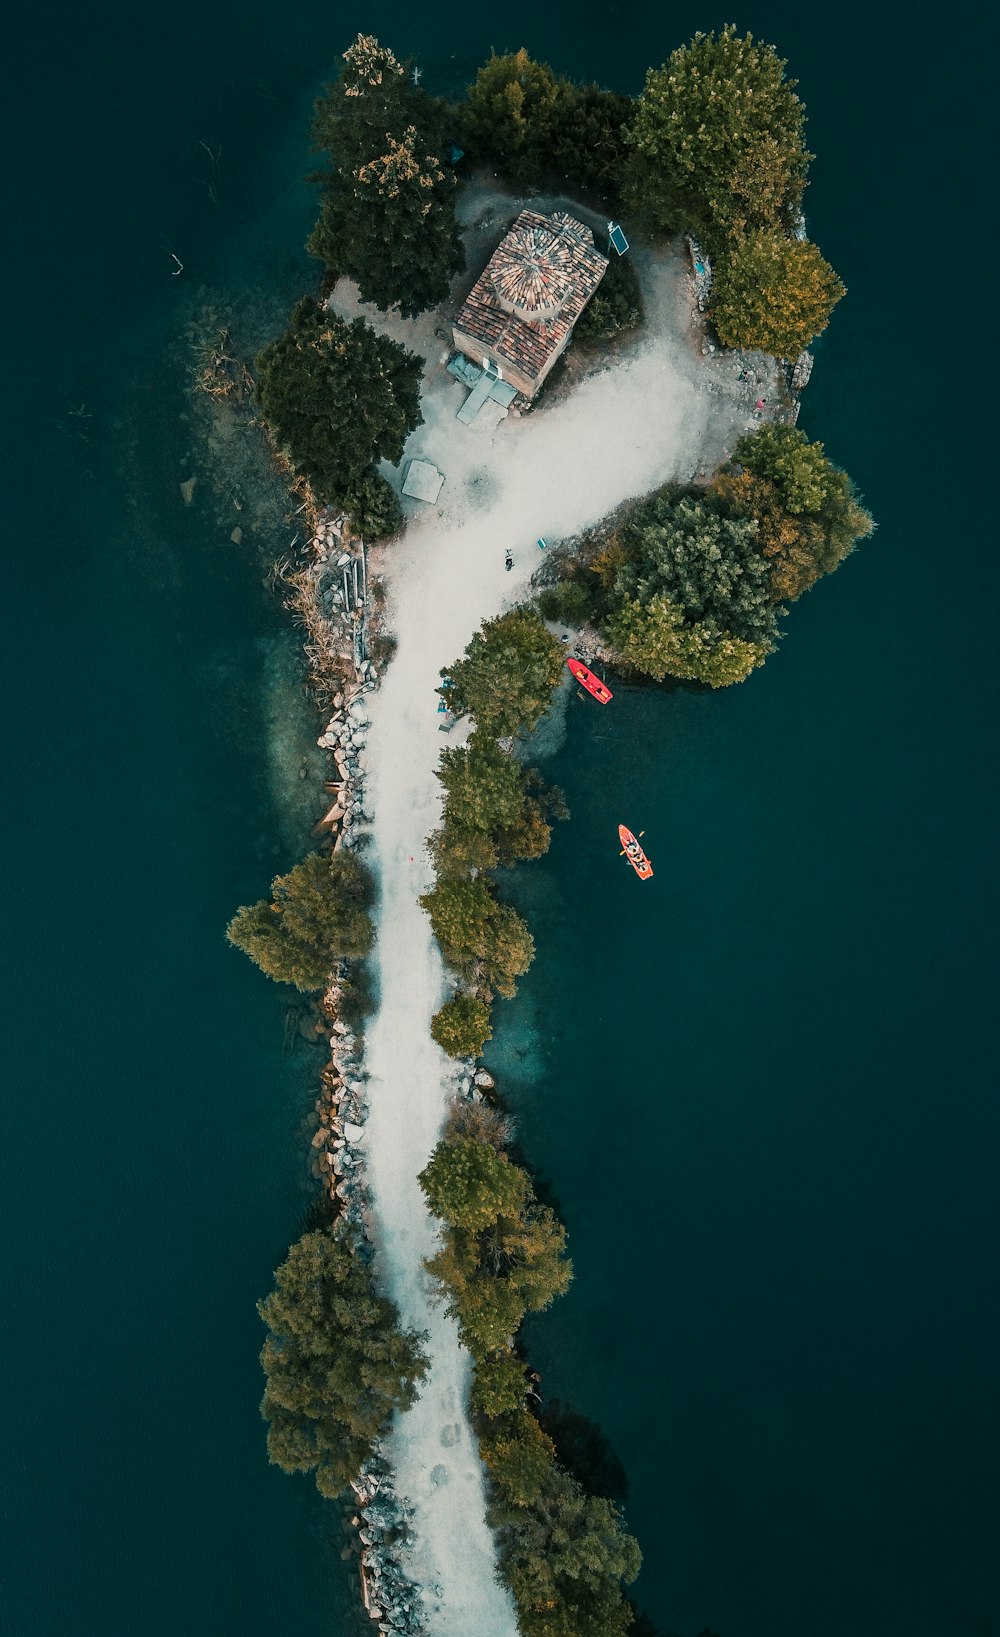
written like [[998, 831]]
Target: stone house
[[521, 311]]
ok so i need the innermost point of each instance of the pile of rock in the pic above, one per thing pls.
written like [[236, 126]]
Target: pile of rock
[[383, 1524], [345, 736], [339, 1159]]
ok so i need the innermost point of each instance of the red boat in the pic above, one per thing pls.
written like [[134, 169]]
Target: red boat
[[634, 853], [593, 684]]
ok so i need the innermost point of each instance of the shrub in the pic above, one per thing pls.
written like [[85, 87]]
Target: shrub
[[462, 1026], [616, 305], [318, 913], [336, 1359], [717, 141], [773, 293]]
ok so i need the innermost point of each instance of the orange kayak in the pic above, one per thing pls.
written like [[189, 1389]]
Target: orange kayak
[[634, 853], [593, 684]]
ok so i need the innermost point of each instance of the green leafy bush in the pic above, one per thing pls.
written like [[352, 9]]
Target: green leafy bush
[[339, 398], [462, 1026], [773, 293], [616, 306], [337, 1362], [317, 914], [717, 141]]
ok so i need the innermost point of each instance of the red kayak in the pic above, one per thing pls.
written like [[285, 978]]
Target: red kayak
[[593, 684], [634, 853]]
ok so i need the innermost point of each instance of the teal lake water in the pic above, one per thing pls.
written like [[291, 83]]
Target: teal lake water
[[771, 1123]]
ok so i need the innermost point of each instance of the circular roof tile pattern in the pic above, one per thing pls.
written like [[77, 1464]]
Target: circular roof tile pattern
[[532, 274]]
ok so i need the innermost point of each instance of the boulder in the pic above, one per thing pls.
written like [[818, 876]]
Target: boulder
[[353, 1133]]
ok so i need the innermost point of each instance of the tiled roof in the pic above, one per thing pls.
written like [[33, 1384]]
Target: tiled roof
[[533, 290]]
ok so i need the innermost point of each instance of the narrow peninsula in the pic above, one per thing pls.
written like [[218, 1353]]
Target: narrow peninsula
[[544, 403]]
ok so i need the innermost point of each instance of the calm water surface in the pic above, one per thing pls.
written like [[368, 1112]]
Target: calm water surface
[[770, 1135]]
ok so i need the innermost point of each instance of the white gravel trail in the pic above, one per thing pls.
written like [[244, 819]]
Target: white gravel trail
[[619, 433]]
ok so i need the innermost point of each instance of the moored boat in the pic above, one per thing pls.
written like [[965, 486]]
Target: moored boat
[[586, 678]]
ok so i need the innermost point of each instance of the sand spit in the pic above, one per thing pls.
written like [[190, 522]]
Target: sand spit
[[658, 411]]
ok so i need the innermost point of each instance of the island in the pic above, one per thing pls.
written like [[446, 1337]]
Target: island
[[544, 402]]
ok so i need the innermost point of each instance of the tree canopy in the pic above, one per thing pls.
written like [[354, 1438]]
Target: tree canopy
[[717, 141], [317, 914], [503, 1254], [387, 217], [462, 1026], [679, 546], [654, 638], [532, 122], [807, 513], [477, 935], [336, 1360], [340, 398], [507, 674], [773, 293]]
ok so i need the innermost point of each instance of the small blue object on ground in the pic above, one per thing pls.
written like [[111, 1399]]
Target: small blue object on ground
[[542, 544], [617, 238]]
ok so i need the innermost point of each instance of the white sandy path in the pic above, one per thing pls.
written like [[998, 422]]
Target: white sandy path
[[619, 434]]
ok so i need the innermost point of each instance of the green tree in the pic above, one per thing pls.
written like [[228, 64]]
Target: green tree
[[564, 1554], [498, 1385], [680, 546], [799, 469], [808, 515], [462, 1026], [455, 851], [653, 638], [474, 931], [470, 1184], [518, 1455], [509, 114], [338, 398], [717, 141], [509, 952], [387, 217], [336, 1360], [484, 785], [502, 1253], [585, 142], [507, 675], [461, 913], [317, 914], [773, 293]]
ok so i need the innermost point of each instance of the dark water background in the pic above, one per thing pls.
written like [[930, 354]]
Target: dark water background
[[772, 1126]]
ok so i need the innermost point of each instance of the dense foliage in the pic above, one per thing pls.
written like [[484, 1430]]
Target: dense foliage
[[502, 1254], [339, 398], [529, 123], [807, 513], [774, 294], [563, 1553], [616, 306], [317, 914], [462, 1026], [387, 217], [336, 1360], [507, 674], [481, 938], [687, 591], [717, 141]]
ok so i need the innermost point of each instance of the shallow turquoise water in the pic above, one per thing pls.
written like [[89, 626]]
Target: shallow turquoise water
[[785, 1326]]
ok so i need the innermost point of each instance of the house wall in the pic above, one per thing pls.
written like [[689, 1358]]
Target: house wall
[[476, 351]]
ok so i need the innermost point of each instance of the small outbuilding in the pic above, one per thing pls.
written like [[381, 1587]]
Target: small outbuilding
[[520, 313]]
